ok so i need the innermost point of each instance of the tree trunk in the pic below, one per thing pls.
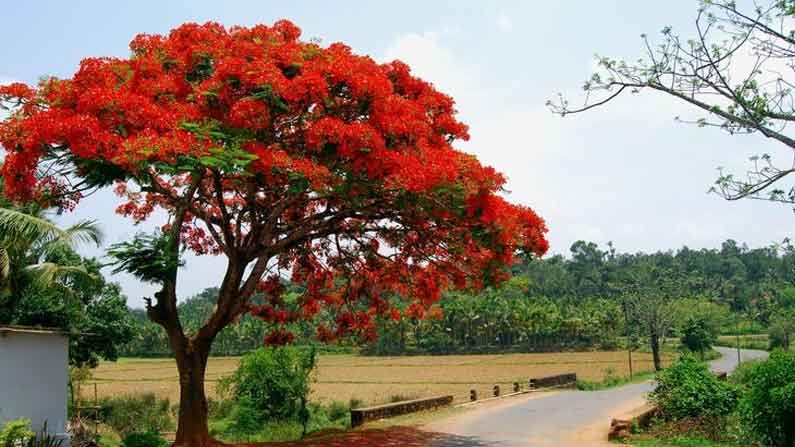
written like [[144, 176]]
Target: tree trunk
[[654, 339], [192, 429]]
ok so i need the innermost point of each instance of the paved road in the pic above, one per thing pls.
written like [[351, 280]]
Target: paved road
[[566, 418]]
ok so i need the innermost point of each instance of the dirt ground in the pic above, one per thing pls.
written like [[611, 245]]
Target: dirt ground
[[375, 380]]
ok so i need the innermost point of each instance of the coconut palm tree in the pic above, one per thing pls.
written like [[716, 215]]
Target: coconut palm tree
[[28, 243]]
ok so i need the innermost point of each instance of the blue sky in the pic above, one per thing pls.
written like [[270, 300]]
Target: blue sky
[[627, 173]]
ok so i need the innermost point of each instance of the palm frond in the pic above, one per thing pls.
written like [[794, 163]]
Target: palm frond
[[16, 226], [5, 265], [86, 231], [47, 274]]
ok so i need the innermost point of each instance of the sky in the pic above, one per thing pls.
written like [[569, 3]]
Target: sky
[[627, 173]]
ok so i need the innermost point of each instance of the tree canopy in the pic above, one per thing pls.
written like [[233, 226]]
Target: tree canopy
[[285, 156]]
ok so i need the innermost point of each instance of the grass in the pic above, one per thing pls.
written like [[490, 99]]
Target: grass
[[678, 441], [611, 381], [375, 380], [759, 341]]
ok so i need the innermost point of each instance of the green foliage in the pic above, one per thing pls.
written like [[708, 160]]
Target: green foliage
[[698, 334], [767, 409], [273, 382], [137, 413], [689, 389], [782, 328], [144, 439], [146, 257], [45, 282], [230, 429], [44, 439], [612, 380], [15, 433], [681, 441], [338, 410], [552, 304]]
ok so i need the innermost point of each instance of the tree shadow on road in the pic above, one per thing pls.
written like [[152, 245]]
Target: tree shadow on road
[[389, 437]]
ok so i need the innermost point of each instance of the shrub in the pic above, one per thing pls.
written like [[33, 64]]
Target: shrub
[[15, 433], [137, 413], [220, 408], [698, 335], [245, 416], [44, 439], [338, 410], [741, 376], [144, 439], [768, 408], [274, 382], [689, 389]]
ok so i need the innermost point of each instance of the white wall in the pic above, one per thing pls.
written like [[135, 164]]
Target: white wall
[[33, 379]]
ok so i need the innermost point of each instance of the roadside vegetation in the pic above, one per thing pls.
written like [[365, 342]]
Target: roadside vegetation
[[752, 408]]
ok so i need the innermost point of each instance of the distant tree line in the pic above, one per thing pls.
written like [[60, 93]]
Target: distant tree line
[[594, 298]]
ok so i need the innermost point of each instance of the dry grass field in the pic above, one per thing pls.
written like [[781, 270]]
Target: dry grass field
[[377, 379]]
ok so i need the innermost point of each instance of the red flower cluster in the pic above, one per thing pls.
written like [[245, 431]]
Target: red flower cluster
[[337, 169]]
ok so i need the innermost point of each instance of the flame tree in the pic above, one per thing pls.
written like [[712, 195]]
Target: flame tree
[[288, 158]]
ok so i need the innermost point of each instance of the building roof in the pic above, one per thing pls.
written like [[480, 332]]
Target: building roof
[[7, 329]]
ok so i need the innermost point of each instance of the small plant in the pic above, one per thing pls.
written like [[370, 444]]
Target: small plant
[[44, 439], [15, 433], [220, 408], [137, 413], [337, 410], [145, 439], [81, 435]]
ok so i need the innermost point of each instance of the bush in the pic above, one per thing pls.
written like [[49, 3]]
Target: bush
[[220, 408], [768, 408], [15, 433], [689, 389], [741, 376], [144, 439], [273, 382], [338, 410], [138, 413], [698, 334], [245, 416]]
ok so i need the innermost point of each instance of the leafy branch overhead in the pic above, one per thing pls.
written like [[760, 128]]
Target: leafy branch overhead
[[737, 70]]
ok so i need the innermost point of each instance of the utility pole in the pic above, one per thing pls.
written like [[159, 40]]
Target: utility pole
[[629, 340], [736, 305], [737, 331]]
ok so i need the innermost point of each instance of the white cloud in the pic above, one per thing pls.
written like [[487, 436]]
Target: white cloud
[[430, 60], [626, 172], [504, 23]]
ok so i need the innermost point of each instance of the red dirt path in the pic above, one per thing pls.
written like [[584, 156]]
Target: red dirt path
[[393, 436]]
